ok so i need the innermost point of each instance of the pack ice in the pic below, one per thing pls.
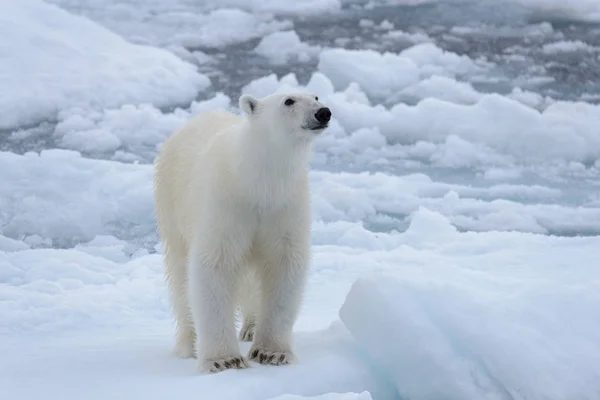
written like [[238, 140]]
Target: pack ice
[[456, 232]]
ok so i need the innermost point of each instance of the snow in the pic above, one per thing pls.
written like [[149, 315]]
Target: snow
[[219, 27], [483, 326], [565, 136], [449, 306], [105, 197], [384, 74], [281, 47], [62, 61], [143, 369], [442, 88], [93, 198], [456, 215], [176, 24], [452, 114], [131, 128]]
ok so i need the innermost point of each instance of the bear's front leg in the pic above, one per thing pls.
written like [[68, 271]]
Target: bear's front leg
[[214, 272], [283, 277]]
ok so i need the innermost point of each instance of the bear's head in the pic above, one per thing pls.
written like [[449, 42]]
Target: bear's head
[[290, 116]]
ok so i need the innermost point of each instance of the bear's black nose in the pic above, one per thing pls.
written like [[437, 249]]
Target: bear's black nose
[[323, 115]]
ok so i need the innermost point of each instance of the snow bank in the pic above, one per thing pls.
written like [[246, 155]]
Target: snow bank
[[474, 326], [55, 60], [384, 74], [281, 47]]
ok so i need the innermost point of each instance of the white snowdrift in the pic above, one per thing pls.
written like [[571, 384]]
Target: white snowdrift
[[51, 60], [483, 327]]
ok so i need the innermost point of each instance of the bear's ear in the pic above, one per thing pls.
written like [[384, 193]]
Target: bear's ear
[[248, 104]]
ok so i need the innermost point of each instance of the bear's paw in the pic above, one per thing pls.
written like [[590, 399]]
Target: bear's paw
[[268, 357], [222, 364]]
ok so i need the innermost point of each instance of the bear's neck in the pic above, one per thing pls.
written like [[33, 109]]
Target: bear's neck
[[270, 171]]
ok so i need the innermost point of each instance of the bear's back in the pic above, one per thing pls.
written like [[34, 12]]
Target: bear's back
[[187, 156]]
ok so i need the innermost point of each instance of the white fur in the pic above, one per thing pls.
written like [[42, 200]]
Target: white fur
[[233, 207]]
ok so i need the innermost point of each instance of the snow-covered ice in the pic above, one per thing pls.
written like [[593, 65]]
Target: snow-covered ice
[[456, 215], [181, 23], [384, 74], [281, 47], [518, 321], [51, 60]]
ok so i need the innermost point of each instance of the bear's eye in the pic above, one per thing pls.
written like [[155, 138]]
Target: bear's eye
[[317, 98], [289, 102]]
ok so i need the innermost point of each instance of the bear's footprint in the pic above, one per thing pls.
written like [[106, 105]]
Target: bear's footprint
[[223, 364], [268, 357]]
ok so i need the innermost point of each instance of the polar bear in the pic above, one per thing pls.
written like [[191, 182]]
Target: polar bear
[[233, 209]]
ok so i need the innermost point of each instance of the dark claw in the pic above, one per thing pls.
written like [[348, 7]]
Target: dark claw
[[271, 357], [237, 362], [262, 358], [255, 353], [227, 365], [216, 365], [281, 358]]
